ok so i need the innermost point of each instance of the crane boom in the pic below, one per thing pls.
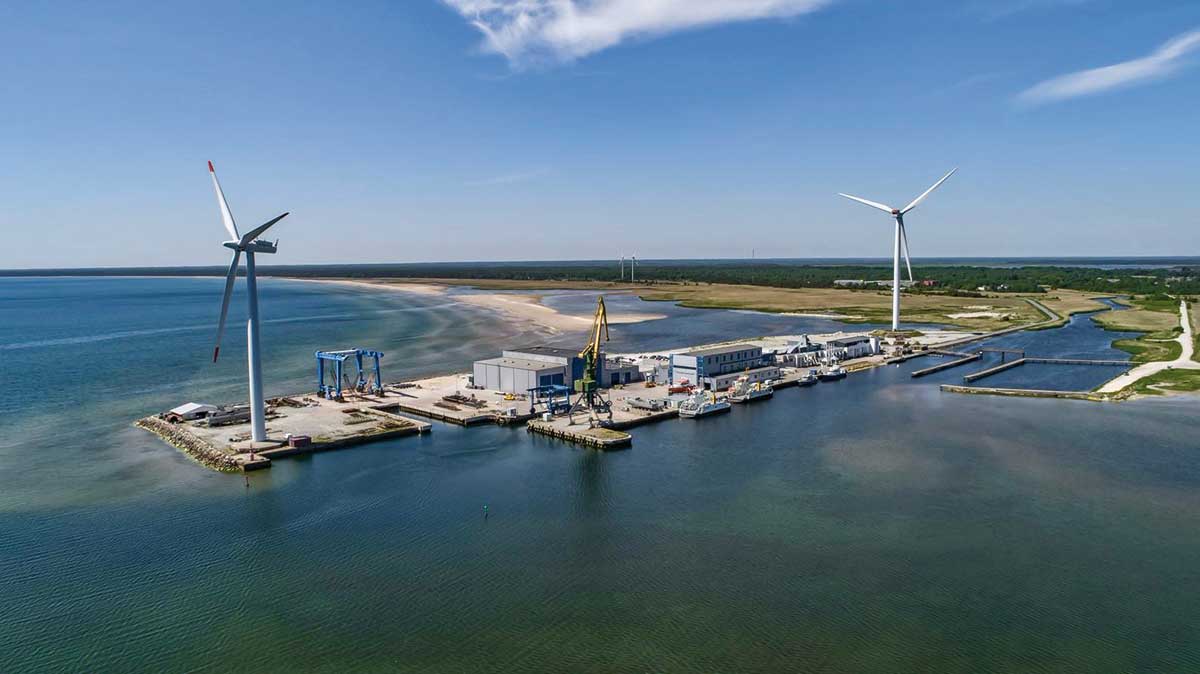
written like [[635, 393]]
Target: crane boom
[[588, 386], [599, 324]]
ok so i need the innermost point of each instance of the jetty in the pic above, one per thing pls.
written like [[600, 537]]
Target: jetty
[[1022, 392], [960, 359], [596, 437], [295, 426], [976, 376]]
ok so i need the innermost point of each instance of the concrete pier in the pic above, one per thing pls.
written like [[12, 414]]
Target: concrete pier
[[327, 424], [1021, 392], [974, 376], [962, 360], [596, 438]]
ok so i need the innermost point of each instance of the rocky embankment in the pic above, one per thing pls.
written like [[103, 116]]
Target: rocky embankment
[[200, 450]]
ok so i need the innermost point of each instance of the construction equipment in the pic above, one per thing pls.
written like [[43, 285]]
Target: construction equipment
[[363, 381], [588, 386]]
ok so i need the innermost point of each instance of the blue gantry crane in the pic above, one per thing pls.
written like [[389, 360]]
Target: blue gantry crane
[[364, 381]]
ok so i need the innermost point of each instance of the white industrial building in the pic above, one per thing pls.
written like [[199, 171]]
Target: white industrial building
[[717, 368], [655, 368], [620, 371], [799, 353], [846, 348], [516, 375], [808, 353], [518, 370], [191, 411]]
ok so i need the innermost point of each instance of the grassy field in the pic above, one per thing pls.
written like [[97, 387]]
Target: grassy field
[[857, 306], [1158, 318], [1066, 302], [1145, 351], [1169, 381]]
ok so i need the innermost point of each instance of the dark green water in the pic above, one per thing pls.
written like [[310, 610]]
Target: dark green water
[[873, 525]]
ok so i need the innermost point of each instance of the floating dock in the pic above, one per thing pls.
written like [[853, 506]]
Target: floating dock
[[962, 359], [976, 376]]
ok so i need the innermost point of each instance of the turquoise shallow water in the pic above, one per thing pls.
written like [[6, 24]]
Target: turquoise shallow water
[[873, 525]]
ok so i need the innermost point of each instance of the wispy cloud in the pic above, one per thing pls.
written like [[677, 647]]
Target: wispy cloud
[[992, 10], [1161, 63], [564, 30], [507, 178]]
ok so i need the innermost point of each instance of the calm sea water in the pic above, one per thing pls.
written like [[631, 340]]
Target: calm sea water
[[872, 525]]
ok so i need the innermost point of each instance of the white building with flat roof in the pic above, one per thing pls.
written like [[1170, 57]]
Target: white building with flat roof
[[716, 368], [517, 375]]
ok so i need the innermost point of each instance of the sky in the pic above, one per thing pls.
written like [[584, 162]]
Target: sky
[[458, 130]]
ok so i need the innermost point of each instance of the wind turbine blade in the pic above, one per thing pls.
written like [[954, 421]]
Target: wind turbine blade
[[253, 234], [226, 216], [229, 279], [904, 240], [872, 204], [931, 189]]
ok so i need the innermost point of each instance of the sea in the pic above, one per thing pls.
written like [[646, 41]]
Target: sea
[[875, 524]]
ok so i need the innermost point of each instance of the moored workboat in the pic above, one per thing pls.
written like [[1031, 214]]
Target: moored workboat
[[702, 404], [808, 379], [743, 391], [833, 374]]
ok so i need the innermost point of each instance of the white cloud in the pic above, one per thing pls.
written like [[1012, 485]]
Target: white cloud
[[1161, 63], [992, 10], [563, 30]]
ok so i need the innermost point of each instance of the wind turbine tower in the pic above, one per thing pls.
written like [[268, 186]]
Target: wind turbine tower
[[250, 245], [901, 240]]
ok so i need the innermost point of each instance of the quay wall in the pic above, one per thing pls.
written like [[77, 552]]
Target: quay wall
[[1021, 392]]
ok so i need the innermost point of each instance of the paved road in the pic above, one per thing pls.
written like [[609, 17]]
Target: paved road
[[1183, 362]]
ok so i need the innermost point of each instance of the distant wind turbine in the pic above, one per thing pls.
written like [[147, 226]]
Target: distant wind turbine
[[901, 239], [250, 245]]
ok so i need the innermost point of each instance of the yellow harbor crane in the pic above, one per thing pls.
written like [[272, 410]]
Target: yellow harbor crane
[[588, 387]]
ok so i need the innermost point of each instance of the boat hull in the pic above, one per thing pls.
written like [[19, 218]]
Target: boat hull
[[718, 408], [751, 397]]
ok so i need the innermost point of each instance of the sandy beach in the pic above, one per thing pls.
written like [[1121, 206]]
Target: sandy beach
[[417, 288], [522, 306], [530, 307]]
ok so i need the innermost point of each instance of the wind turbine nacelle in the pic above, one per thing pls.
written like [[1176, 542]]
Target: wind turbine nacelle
[[895, 211], [258, 246], [255, 246]]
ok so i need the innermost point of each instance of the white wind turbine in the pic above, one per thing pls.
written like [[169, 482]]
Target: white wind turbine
[[901, 238], [251, 245]]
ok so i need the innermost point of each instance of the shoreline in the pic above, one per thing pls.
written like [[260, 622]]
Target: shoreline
[[428, 289], [522, 306]]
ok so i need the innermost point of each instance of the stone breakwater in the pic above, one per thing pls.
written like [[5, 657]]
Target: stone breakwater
[[201, 451]]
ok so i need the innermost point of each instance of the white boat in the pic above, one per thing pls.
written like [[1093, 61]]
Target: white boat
[[743, 391], [808, 379], [833, 374], [702, 404]]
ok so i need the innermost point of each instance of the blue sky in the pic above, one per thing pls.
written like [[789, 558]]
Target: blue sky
[[422, 130]]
